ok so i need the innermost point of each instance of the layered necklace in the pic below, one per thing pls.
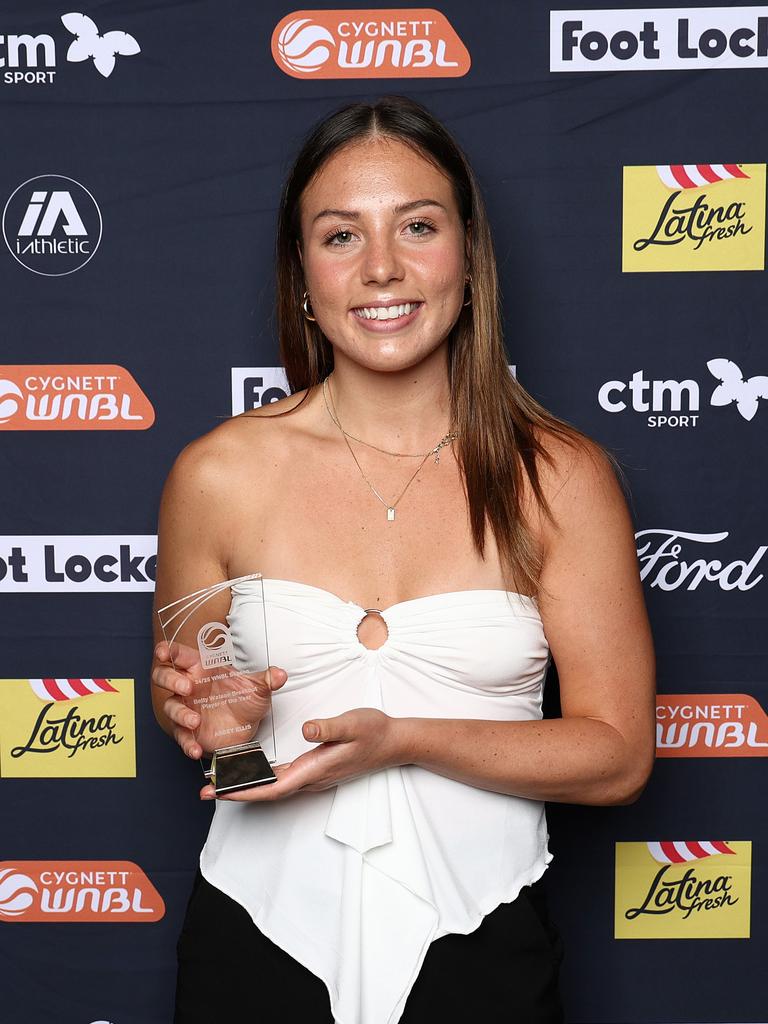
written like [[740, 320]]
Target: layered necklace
[[389, 505]]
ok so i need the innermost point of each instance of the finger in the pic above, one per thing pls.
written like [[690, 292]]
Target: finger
[[327, 730], [275, 676], [177, 654], [169, 679], [187, 742], [180, 714]]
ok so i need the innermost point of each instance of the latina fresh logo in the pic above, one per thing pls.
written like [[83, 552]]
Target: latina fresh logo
[[67, 728], [683, 890], [65, 891], [694, 217], [710, 725], [397, 43]]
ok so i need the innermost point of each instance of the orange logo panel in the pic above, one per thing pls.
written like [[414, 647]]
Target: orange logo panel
[[390, 43], [77, 890], [72, 397], [710, 725]]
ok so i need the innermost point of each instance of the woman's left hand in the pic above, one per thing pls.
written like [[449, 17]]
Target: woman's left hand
[[354, 743]]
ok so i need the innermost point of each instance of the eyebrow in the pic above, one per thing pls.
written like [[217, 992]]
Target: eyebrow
[[355, 214]]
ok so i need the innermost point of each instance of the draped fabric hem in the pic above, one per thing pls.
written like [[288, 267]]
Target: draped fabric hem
[[297, 944]]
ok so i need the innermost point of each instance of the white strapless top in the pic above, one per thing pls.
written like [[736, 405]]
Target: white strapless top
[[356, 881]]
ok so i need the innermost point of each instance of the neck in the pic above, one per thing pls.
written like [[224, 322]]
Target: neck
[[406, 410]]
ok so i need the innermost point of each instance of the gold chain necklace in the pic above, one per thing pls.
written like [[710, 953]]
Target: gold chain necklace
[[390, 506]]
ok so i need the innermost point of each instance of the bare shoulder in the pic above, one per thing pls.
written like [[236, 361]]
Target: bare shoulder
[[580, 482], [226, 458]]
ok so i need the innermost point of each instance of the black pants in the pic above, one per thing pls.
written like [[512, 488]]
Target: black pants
[[504, 971]]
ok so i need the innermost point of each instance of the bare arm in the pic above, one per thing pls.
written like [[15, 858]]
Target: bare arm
[[191, 556], [601, 751]]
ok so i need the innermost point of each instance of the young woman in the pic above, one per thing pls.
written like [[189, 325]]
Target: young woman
[[429, 538]]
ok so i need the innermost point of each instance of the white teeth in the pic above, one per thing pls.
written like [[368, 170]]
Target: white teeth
[[385, 312]]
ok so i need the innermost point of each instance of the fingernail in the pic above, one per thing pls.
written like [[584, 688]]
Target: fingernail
[[311, 731]]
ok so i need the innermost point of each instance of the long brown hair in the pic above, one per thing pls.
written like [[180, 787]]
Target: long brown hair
[[499, 424]]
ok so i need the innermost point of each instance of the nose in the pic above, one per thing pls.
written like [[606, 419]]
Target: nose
[[381, 262]]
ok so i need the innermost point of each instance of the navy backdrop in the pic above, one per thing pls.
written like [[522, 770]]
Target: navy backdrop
[[184, 147]]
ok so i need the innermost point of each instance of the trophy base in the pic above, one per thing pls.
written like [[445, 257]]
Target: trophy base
[[241, 766]]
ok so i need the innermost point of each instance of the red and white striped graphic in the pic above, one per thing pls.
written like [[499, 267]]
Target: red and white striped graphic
[[69, 689], [695, 175], [678, 852]]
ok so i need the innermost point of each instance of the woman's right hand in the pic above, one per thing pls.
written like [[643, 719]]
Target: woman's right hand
[[194, 733]]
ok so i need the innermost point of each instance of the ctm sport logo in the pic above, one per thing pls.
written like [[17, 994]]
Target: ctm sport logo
[[694, 217], [683, 890], [677, 403], [27, 59], [67, 728], [391, 43]]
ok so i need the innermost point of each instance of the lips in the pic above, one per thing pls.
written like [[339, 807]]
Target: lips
[[387, 324], [390, 310]]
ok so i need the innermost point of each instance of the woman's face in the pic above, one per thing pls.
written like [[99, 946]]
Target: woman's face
[[380, 228]]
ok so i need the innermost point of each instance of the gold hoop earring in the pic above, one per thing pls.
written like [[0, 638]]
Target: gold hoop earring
[[306, 311], [468, 281]]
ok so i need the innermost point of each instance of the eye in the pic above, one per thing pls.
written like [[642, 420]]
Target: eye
[[422, 223], [330, 239]]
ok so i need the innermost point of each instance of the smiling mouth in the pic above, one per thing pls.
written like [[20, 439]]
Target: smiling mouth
[[393, 312]]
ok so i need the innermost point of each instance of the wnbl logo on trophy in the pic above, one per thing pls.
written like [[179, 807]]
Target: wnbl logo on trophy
[[214, 645], [683, 890], [67, 728], [694, 217]]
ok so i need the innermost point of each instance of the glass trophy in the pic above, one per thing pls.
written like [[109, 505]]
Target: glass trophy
[[229, 690]]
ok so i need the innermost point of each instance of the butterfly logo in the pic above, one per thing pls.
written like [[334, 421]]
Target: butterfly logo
[[89, 43], [733, 387]]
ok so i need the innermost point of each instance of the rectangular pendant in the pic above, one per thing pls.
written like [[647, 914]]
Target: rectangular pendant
[[390, 514]]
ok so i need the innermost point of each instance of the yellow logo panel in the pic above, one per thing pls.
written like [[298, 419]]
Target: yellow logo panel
[[694, 217], [683, 890], [67, 728]]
